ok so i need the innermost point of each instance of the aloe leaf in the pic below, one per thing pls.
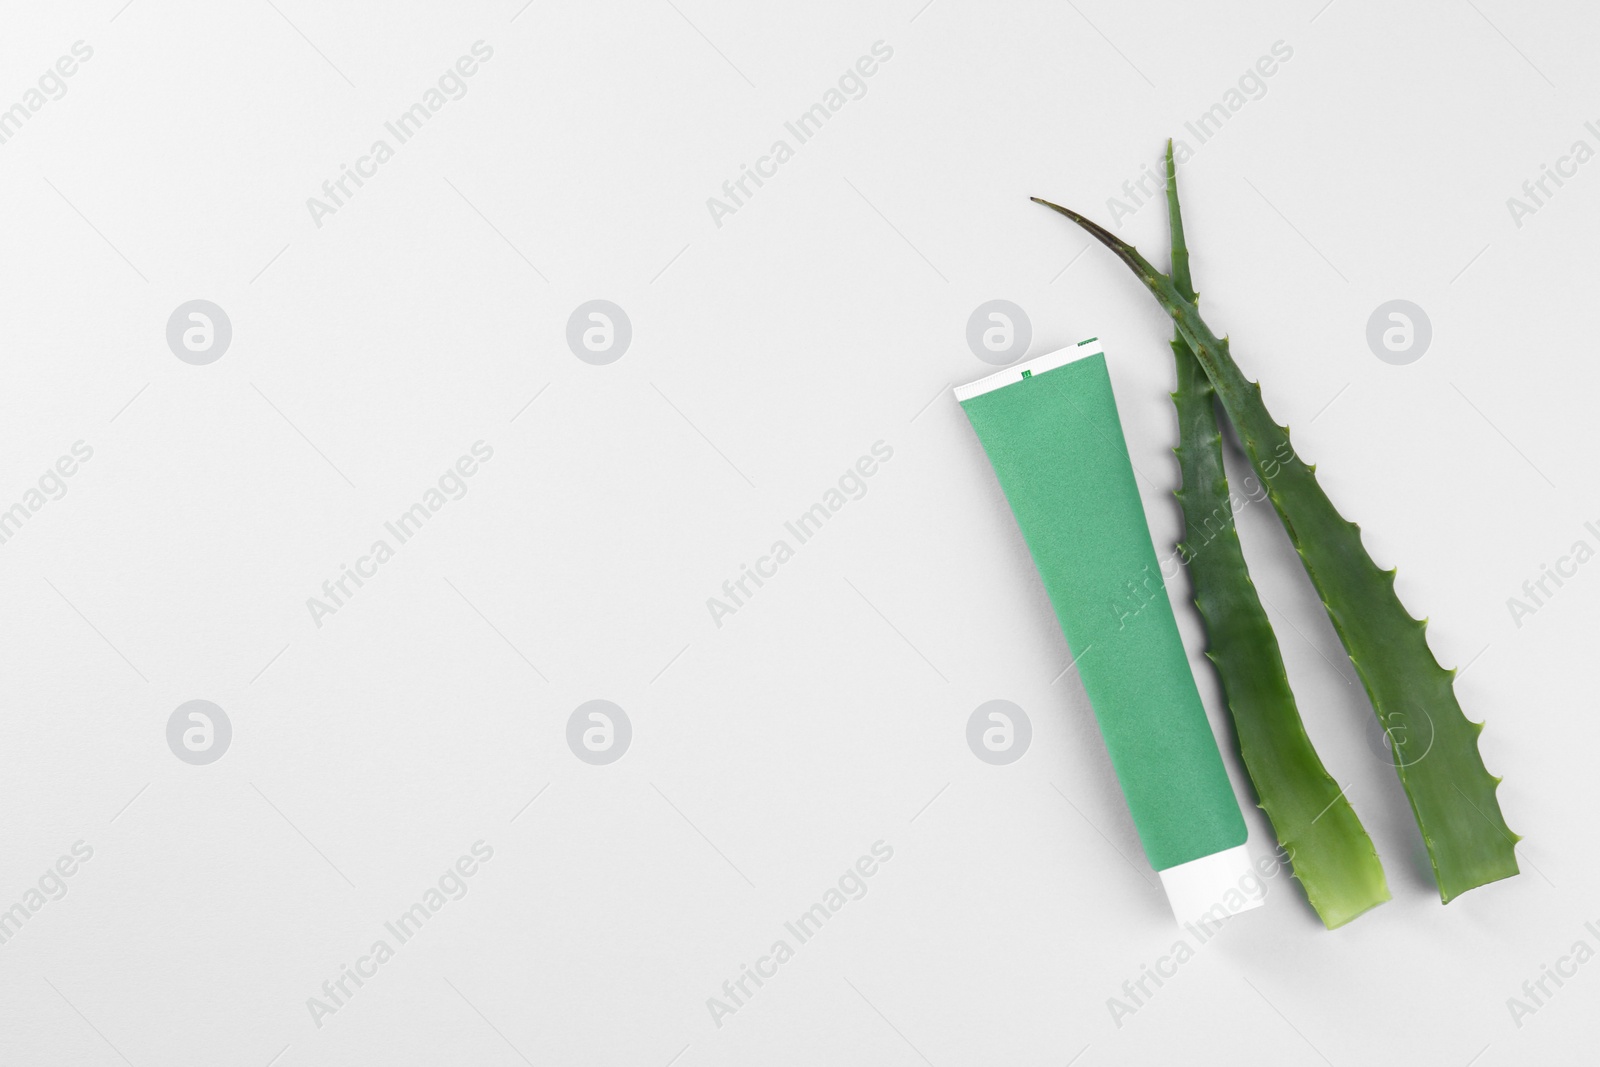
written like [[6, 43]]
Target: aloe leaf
[[1328, 848], [1435, 746]]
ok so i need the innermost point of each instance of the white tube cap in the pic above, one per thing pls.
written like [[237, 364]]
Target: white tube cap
[[1211, 888]]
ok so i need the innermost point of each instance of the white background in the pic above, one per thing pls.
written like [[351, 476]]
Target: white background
[[768, 354]]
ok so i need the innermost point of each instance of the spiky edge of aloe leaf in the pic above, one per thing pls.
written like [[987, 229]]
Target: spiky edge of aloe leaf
[[1328, 848], [1435, 746]]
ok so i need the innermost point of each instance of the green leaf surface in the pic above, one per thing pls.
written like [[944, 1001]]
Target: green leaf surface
[[1435, 746], [1328, 848]]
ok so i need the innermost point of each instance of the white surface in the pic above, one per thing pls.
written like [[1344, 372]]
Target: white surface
[[828, 713], [1213, 887]]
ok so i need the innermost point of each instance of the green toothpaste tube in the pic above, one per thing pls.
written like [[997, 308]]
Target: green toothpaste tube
[[1050, 428]]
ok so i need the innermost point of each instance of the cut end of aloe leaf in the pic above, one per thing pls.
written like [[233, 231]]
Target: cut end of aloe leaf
[[1334, 920]]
